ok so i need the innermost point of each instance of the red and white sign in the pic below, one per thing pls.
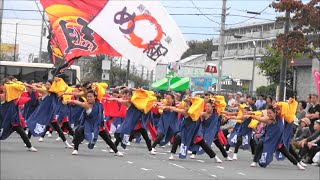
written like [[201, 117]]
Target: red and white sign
[[316, 74], [211, 68], [141, 31]]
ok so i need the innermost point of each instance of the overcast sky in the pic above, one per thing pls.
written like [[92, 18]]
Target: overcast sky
[[29, 36]]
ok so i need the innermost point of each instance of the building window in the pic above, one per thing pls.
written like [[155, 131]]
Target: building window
[[279, 25]]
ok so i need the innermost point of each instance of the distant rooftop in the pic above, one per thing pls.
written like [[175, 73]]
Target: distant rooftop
[[190, 58]]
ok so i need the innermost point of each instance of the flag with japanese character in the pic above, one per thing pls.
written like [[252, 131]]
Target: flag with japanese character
[[70, 36], [141, 31]]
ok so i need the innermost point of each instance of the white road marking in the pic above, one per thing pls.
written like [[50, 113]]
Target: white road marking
[[177, 165], [242, 174], [203, 169], [213, 175], [104, 150], [161, 153], [145, 169], [162, 177], [200, 161], [220, 167], [129, 162]]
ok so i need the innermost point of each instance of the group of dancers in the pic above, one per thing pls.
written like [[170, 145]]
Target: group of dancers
[[86, 111]]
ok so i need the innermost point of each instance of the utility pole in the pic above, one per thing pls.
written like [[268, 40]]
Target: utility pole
[[128, 72], [142, 72], [221, 45], [253, 67], [41, 34], [284, 63], [120, 63], [15, 43], [151, 78], [1, 16], [147, 75]]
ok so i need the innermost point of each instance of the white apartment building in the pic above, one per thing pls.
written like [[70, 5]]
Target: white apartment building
[[239, 52]]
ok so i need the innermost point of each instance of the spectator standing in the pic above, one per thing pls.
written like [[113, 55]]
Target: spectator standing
[[260, 103], [231, 100]]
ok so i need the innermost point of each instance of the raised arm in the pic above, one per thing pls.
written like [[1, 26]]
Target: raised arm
[[261, 119], [119, 100], [181, 111], [84, 105]]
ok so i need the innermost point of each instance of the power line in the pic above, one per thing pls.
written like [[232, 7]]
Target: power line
[[249, 18], [203, 14], [24, 34], [21, 24]]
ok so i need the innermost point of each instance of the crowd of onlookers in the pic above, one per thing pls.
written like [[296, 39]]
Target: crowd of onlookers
[[306, 129]]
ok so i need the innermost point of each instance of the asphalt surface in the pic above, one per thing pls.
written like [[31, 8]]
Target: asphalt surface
[[53, 161]]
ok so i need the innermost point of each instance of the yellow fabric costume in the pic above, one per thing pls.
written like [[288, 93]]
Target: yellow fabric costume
[[58, 86], [253, 124], [13, 91], [288, 110], [196, 108], [143, 100], [240, 113], [219, 103], [100, 89]]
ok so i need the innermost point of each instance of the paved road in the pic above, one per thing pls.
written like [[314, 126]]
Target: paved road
[[52, 161]]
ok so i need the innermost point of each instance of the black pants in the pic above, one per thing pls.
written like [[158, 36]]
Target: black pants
[[219, 146], [56, 127], [68, 127], [202, 144], [283, 151], [142, 131], [158, 140], [312, 152], [106, 137], [78, 137], [294, 154], [252, 146], [23, 135], [238, 144]]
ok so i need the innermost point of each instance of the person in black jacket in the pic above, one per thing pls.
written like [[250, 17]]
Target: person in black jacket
[[311, 145]]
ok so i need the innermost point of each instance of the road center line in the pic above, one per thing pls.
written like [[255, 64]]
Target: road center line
[[200, 161], [162, 177], [242, 174], [145, 169], [129, 162], [213, 175], [177, 165], [220, 167]]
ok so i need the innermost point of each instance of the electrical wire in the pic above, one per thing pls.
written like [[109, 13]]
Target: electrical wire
[[204, 14], [249, 18]]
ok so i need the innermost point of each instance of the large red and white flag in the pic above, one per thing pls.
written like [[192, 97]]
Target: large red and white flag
[[141, 31]]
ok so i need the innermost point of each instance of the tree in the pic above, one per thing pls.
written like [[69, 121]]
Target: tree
[[199, 47], [306, 21], [94, 69], [271, 68]]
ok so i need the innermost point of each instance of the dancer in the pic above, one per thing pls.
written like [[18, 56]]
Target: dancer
[[167, 126], [46, 112], [210, 129], [190, 134], [133, 117], [90, 124], [9, 115], [271, 140]]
